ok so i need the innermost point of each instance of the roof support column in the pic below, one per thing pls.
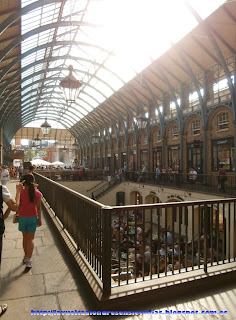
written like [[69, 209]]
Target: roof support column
[[234, 116], [204, 127], [1, 146]]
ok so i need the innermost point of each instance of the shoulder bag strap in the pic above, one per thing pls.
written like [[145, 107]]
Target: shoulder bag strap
[[1, 200]]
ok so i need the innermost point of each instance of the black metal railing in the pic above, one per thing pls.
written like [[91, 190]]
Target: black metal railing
[[204, 183], [128, 244], [114, 180], [151, 241], [75, 174]]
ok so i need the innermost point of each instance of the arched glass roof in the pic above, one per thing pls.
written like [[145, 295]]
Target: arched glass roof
[[108, 42]]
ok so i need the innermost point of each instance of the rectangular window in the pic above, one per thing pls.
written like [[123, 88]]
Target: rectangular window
[[223, 121], [145, 139], [175, 132], [158, 135], [196, 127]]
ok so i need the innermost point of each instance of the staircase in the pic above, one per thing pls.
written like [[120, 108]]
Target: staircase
[[107, 187]]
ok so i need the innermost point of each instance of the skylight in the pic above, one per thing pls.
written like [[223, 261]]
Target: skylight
[[130, 34]]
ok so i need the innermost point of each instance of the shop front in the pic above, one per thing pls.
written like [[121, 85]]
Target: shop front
[[173, 156], [195, 156], [157, 155], [223, 154], [143, 158]]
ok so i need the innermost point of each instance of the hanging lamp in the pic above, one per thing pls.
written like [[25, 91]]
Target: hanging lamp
[[37, 140], [70, 87], [46, 127]]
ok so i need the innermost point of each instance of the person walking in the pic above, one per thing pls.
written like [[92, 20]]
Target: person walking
[[158, 175], [193, 178], [222, 178], [5, 196], [29, 212], [4, 175], [20, 172]]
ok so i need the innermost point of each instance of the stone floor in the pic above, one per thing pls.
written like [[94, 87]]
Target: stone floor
[[54, 284]]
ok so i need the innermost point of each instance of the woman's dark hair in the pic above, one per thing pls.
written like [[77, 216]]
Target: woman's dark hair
[[29, 180]]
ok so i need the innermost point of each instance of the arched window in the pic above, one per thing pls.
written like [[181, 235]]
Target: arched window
[[223, 121], [132, 141]]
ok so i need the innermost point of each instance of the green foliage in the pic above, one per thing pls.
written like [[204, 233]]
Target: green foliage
[[30, 154]]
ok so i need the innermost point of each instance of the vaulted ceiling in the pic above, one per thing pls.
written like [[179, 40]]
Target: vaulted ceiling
[[41, 39]]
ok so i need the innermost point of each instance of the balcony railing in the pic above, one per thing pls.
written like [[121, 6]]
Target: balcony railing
[[204, 183], [132, 244]]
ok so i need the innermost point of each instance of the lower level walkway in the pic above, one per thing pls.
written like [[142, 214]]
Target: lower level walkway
[[54, 284]]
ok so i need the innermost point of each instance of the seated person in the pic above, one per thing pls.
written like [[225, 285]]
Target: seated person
[[211, 256], [147, 254], [139, 267], [161, 267], [162, 251], [176, 252], [168, 236]]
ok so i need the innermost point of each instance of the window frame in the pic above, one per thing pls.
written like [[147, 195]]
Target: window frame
[[222, 123], [196, 130], [174, 132]]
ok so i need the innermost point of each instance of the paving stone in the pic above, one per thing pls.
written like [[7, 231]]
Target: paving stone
[[72, 301], [49, 250], [23, 286], [13, 235], [5, 268], [17, 268], [48, 240], [9, 244], [39, 233], [59, 281], [12, 253], [48, 264], [37, 243], [20, 309]]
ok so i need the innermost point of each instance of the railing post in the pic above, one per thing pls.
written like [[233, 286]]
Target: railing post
[[205, 235], [106, 251]]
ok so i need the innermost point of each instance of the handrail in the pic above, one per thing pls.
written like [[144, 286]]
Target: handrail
[[115, 180], [114, 239]]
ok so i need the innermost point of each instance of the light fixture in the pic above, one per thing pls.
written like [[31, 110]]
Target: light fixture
[[64, 149], [95, 139], [141, 121], [70, 86], [46, 127], [75, 145], [37, 140], [33, 147]]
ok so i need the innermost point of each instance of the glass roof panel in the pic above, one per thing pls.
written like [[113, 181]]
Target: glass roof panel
[[205, 8], [128, 36]]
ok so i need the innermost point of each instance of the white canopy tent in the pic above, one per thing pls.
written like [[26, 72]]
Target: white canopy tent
[[57, 163], [40, 162]]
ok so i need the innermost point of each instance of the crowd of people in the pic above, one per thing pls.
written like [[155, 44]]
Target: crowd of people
[[151, 253], [10, 173]]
